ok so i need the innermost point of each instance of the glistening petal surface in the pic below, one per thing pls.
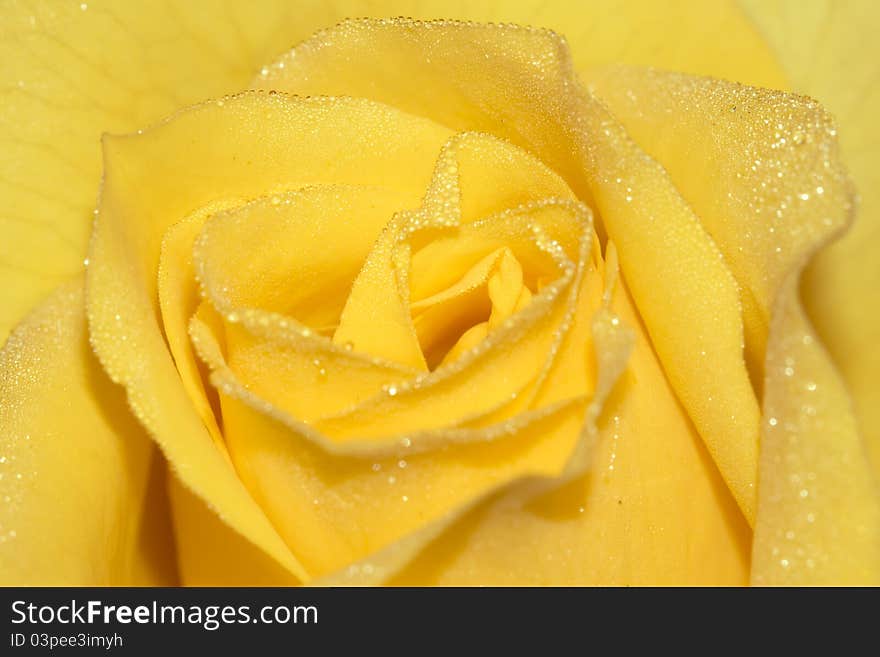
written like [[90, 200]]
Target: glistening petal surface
[[82, 486]]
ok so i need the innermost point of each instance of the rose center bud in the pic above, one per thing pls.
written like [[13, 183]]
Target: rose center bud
[[371, 335], [305, 287], [456, 319]]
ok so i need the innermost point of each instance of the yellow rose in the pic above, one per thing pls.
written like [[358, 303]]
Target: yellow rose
[[426, 305]]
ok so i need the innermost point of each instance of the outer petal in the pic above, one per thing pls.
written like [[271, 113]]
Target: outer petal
[[830, 51], [81, 485], [819, 508], [68, 74], [787, 194]]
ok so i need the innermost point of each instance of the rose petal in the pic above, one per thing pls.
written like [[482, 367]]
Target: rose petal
[[296, 253], [819, 509], [775, 185], [211, 553], [78, 503], [333, 509], [178, 300], [828, 50], [788, 195]]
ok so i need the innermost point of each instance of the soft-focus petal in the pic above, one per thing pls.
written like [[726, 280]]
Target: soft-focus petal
[[830, 50], [71, 71], [82, 486]]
